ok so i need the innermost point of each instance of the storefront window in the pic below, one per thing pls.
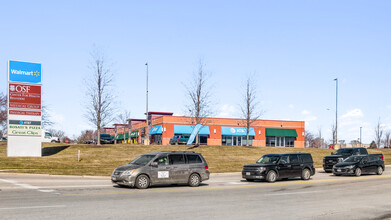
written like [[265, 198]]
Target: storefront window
[[280, 141]]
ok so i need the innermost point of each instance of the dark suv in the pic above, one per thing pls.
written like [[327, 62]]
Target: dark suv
[[280, 166]]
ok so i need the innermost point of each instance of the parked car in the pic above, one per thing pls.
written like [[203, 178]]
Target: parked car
[[179, 139], [360, 164], [105, 139], [340, 155], [47, 137], [88, 142], [167, 167], [280, 166]]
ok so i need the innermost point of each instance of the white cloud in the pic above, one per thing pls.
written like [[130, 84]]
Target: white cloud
[[227, 111], [305, 112], [389, 107], [291, 106], [355, 113]]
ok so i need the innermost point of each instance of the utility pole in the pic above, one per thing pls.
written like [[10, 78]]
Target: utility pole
[[147, 127], [360, 137], [336, 110]]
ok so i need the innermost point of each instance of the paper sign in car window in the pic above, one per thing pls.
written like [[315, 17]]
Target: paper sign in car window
[[163, 174]]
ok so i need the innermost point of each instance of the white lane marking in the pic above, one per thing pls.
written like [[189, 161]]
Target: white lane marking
[[237, 183], [34, 207], [26, 186], [79, 186], [292, 193]]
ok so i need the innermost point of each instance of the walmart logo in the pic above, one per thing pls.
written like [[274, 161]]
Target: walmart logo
[[36, 73]]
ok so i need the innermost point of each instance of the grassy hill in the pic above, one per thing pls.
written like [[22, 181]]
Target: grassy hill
[[101, 160]]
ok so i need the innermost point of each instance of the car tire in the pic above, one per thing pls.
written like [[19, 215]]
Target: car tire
[[194, 180], [379, 170], [271, 176], [327, 171], [357, 172], [53, 141], [305, 174], [142, 181], [337, 174], [249, 180]]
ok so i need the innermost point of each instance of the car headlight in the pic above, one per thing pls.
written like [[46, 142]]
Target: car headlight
[[128, 172], [350, 167], [340, 160], [261, 169]]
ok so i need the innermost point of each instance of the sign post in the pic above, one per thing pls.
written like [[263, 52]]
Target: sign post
[[24, 109]]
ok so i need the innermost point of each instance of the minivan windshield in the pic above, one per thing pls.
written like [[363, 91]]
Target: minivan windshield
[[353, 159], [143, 159], [268, 159], [344, 151]]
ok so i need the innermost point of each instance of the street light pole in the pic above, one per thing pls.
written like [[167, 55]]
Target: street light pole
[[147, 127], [336, 110], [360, 137]]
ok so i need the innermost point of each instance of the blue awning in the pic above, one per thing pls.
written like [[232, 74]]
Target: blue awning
[[187, 129], [156, 130], [240, 131]]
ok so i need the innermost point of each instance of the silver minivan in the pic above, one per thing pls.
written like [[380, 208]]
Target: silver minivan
[[167, 167]]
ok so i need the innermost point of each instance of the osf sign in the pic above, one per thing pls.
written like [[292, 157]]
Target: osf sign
[[19, 88], [24, 96]]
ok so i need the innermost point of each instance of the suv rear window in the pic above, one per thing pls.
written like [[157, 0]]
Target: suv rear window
[[176, 159], [306, 158], [193, 158]]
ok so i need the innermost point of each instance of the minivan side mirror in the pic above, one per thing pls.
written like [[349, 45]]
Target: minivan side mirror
[[282, 162], [154, 164]]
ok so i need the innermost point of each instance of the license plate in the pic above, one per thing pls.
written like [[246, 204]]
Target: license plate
[[339, 170], [114, 178], [248, 173]]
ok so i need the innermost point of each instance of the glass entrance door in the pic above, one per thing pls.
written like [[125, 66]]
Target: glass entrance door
[[280, 141]]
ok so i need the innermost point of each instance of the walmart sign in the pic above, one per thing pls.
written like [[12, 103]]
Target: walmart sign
[[24, 72]]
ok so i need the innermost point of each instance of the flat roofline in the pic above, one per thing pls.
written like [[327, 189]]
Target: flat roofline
[[120, 124], [134, 119], [160, 113], [236, 118]]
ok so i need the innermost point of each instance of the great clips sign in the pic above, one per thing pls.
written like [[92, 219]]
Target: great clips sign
[[24, 72]]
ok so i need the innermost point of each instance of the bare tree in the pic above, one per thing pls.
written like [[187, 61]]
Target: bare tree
[[355, 143], [378, 133], [387, 139], [86, 135], [250, 106], [308, 139], [100, 98], [46, 119], [122, 118], [3, 112], [199, 97], [57, 133]]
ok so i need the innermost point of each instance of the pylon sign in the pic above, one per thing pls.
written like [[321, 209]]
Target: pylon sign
[[24, 109]]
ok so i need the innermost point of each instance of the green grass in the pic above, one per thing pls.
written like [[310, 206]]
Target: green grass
[[62, 159]]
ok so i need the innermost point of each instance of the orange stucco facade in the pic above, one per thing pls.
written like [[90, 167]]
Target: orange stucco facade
[[215, 126]]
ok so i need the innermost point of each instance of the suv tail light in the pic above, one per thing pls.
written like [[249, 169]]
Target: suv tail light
[[206, 167], [313, 165], [382, 157]]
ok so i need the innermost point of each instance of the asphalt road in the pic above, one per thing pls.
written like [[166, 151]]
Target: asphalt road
[[224, 196]]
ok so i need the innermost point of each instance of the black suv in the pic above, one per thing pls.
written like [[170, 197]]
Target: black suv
[[360, 164], [280, 166]]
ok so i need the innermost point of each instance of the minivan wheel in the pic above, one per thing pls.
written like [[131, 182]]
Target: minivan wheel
[[379, 170], [271, 176], [142, 181], [357, 172], [194, 180], [305, 174]]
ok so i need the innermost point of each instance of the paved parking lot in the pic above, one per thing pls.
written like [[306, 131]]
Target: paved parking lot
[[224, 196]]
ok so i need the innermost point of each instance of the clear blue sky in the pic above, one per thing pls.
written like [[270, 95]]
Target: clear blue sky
[[295, 49]]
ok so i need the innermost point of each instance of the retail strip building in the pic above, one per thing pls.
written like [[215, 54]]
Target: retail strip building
[[217, 131]]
